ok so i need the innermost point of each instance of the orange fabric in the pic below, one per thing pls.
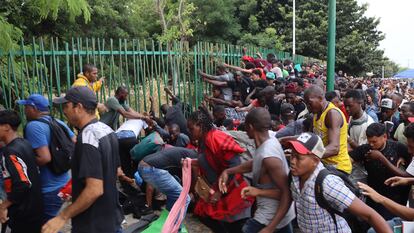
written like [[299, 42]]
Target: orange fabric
[[19, 168]]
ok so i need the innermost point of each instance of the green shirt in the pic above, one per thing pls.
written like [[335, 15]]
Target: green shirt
[[111, 118], [285, 73]]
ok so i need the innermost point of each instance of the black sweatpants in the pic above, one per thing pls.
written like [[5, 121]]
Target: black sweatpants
[[223, 227]]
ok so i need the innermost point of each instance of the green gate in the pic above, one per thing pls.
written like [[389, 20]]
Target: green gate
[[50, 66]]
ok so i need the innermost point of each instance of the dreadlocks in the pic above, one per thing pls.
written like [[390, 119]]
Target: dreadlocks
[[202, 118]]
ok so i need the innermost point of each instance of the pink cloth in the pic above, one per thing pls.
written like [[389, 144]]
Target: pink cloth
[[177, 213]]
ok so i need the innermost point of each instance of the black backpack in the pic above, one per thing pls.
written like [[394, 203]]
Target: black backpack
[[61, 147], [353, 221]]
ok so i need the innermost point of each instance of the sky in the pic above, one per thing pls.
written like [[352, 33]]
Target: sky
[[396, 21]]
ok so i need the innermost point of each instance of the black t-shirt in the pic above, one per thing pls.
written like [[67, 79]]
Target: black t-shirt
[[22, 185], [245, 86], [169, 159], [273, 106], [299, 107], [97, 156], [260, 83], [175, 115], [378, 173]]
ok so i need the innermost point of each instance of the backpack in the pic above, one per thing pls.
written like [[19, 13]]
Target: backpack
[[353, 221], [149, 145], [61, 147], [323, 203]]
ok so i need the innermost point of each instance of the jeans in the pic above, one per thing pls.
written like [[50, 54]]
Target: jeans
[[164, 182], [392, 223], [253, 226], [51, 204]]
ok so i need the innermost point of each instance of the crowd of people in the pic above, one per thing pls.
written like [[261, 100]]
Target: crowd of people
[[271, 150]]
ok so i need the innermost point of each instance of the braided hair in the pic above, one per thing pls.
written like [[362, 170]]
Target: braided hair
[[203, 119]]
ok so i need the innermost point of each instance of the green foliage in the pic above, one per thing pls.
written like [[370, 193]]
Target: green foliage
[[266, 39], [52, 7], [10, 35], [214, 21], [178, 20]]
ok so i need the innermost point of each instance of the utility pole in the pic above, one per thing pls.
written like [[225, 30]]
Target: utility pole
[[331, 45], [294, 29]]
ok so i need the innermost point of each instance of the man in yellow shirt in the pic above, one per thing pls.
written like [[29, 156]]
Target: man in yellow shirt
[[330, 124], [88, 79]]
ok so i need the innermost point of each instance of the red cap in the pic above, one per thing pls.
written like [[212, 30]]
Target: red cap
[[300, 148], [247, 58]]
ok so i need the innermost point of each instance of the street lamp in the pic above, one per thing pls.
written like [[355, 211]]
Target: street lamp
[[331, 45], [294, 29]]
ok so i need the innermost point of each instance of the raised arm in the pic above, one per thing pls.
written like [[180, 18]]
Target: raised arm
[[360, 209], [215, 82], [245, 109], [397, 181], [131, 114], [395, 208], [174, 98], [248, 98], [208, 76], [221, 101], [152, 108], [237, 68]]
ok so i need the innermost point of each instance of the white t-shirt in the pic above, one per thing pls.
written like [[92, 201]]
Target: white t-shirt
[[399, 134], [357, 131], [134, 125], [410, 168]]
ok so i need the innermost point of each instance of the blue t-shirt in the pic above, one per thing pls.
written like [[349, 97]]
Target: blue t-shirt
[[38, 134]]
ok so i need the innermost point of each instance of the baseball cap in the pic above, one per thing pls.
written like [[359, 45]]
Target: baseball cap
[[287, 108], [387, 103], [247, 58], [82, 95], [291, 88], [308, 144], [36, 100], [270, 75]]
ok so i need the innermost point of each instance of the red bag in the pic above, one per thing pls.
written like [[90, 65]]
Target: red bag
[[229, 205]]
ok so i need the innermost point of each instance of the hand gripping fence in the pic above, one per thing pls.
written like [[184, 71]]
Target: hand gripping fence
[[177, 213]]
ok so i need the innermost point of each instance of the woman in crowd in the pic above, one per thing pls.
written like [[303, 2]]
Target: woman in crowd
[[217, 151]]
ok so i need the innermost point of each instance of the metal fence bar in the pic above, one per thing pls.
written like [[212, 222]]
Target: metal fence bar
[[135, 63]]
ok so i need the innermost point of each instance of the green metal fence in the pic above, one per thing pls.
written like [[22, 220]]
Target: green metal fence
[[49, 67]]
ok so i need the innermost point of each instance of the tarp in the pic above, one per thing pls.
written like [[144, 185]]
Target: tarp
[[405, 74]]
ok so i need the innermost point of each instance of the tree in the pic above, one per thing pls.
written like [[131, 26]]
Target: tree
[[214, 21], [175, 19], [19, 15]]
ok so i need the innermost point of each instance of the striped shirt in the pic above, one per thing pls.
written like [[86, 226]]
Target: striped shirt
[[310, 216]]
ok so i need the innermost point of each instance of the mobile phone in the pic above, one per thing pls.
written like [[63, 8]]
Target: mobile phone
[[397, 229]]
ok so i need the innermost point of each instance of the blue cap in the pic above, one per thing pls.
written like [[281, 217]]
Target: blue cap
[[37, 101]]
